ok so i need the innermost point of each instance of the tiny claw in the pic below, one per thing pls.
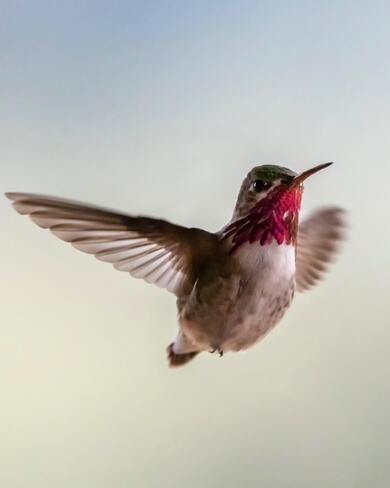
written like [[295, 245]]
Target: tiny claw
[[216, 349]]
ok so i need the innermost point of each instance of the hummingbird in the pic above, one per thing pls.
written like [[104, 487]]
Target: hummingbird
[[232, 286]]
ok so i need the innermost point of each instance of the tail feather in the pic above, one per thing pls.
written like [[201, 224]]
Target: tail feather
[[176, 360]]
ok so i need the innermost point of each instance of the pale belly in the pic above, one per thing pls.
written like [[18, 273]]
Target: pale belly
[[256, 318], [269, 285], [266, 284]]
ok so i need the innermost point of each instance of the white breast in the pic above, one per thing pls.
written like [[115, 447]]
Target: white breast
[[268, 277], [277, 262]]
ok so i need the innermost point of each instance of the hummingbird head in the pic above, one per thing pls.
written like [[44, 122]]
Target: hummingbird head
[[268, 205]]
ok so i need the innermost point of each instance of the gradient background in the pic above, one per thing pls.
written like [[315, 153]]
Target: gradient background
[[161, 108]]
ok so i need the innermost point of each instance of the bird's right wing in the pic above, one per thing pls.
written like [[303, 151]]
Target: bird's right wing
[[156, 250], [318, 240]]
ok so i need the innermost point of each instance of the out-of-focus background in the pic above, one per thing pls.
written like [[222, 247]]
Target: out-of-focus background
[[161, 108]]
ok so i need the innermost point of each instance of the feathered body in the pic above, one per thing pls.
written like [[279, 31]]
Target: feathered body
[[249, 293], [233, 286], [234, 308]]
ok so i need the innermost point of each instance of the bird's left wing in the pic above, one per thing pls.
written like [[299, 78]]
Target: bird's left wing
[[156, 250], [318, 240]]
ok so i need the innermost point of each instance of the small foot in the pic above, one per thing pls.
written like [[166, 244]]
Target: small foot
[[216, 349], [176, 360]]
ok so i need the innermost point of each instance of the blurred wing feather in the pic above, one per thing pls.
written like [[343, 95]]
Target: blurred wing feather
[[155, 250], [318, 241]]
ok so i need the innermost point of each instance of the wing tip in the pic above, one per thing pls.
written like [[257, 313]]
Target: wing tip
[[15, 196], [340, 221], [11, 195]]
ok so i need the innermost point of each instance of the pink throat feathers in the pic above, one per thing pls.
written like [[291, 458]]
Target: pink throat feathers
[[273, 217]]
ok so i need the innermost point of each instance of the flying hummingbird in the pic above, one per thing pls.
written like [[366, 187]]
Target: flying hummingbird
[[232, 286]]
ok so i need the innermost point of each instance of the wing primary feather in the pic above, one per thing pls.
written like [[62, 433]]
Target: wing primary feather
[[153, 249]]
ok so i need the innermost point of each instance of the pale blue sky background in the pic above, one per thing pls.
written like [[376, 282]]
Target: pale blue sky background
[[161, 108]]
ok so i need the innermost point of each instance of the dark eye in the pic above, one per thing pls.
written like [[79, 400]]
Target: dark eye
[[259, 185]]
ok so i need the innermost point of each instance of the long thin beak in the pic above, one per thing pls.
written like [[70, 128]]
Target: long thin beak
[[302, 177]]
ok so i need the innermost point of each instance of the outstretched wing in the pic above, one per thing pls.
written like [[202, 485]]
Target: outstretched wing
[[155, 250], [318, 240]]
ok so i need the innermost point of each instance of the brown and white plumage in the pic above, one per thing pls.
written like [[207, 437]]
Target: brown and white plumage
[[229, 295]]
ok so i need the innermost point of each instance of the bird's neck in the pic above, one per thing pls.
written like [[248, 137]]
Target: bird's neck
[[274, 218]]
